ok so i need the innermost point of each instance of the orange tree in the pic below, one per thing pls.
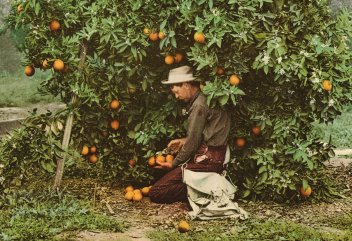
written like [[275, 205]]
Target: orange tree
[[276, 65]]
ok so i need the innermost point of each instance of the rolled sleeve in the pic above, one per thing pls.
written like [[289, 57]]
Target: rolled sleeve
[[196, 124]]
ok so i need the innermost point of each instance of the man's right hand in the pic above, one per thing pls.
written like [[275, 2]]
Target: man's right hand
[[176, 145]]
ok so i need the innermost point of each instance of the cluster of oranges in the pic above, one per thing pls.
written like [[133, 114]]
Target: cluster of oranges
[[90, 152], [154, 35], [114, 105], [136, 195], [240, 142], [177, 58], [153, 160]]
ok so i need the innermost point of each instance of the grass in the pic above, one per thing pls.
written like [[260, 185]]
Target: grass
[[45, 219], [340, 131], [253, 229]]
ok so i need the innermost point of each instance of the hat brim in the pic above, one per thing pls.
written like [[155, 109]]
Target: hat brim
[[170, 82]]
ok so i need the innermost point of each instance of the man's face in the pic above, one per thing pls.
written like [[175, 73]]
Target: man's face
[[181, 91]]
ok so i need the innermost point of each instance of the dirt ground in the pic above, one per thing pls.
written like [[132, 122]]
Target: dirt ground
[[145, 216]]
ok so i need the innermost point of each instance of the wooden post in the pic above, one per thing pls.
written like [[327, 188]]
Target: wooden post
[[68, 127]]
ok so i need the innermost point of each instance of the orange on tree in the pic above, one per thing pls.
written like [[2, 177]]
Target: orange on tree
[[306, 192], [132, 163], [146, 31], [29, 70], [199, 37], [45, 64], [114, 104], [128, 189], [234, 80], [220, 70], [327, 85], [145, 191], [256, 130], [153, 36], [183, 226], [160, 158], [115, 124], [93, 149], [58, 65], [240, 142], [55, 25], [151, 161], [161, 35], [129, 196], [169, 59], [85, 150], [169, 158], [19, 8], [93, 159], [137, 196], [178, 57]]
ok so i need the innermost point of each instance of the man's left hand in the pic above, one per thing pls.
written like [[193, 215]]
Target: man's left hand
[[163, 165]]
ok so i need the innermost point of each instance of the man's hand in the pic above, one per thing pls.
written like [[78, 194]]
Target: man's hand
[[176, 145], [163, 165]]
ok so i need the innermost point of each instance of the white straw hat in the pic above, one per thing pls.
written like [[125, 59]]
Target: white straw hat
[[180, 75]]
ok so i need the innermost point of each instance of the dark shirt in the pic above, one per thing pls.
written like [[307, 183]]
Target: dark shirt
[[206, 125]]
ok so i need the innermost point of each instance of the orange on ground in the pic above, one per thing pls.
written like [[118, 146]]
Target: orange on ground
[[240, 142], [161, 35], [160, 158], [29, 70], [85, 150], [146, 31], [114, 104], [59, 65], [256, 130], [93, 149], [19, 8], [135, 191], [169, 158], [129, 196], [45, 64], [55, 25], [132, 163], [220, 70], [129, 189], [327, 85], [93, 159], [137, 197], [145, 191], [154, 36], [199, 37], [307, 192], [115, 124], [183, 226], [169, 59], [151, 161], [178, 57], [234, 80]]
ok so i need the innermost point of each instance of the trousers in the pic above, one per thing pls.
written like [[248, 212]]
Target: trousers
[[170, 188]]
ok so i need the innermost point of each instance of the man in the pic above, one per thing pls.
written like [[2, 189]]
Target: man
[[204, 147]]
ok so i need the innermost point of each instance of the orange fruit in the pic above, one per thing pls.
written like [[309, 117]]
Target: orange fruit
[[199, 37], [169, 158], [307, 192], [114, 104], [145, 191], [234, 80], [220, 70], [153, 36], [58, 65], [169, 59], [160, 158], [146, 31], [178, 57], [240, 142], [183, 226], [93, 149], [132, 163], [161, 35], [129, 196], [137, 197], [45, 64], [327, 85], [19, 8], [115, 124], [93, 159], [135, 191], [129, 189], [256, 130], [151, 161], [85, 150], [29, 70], [55, 25]]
